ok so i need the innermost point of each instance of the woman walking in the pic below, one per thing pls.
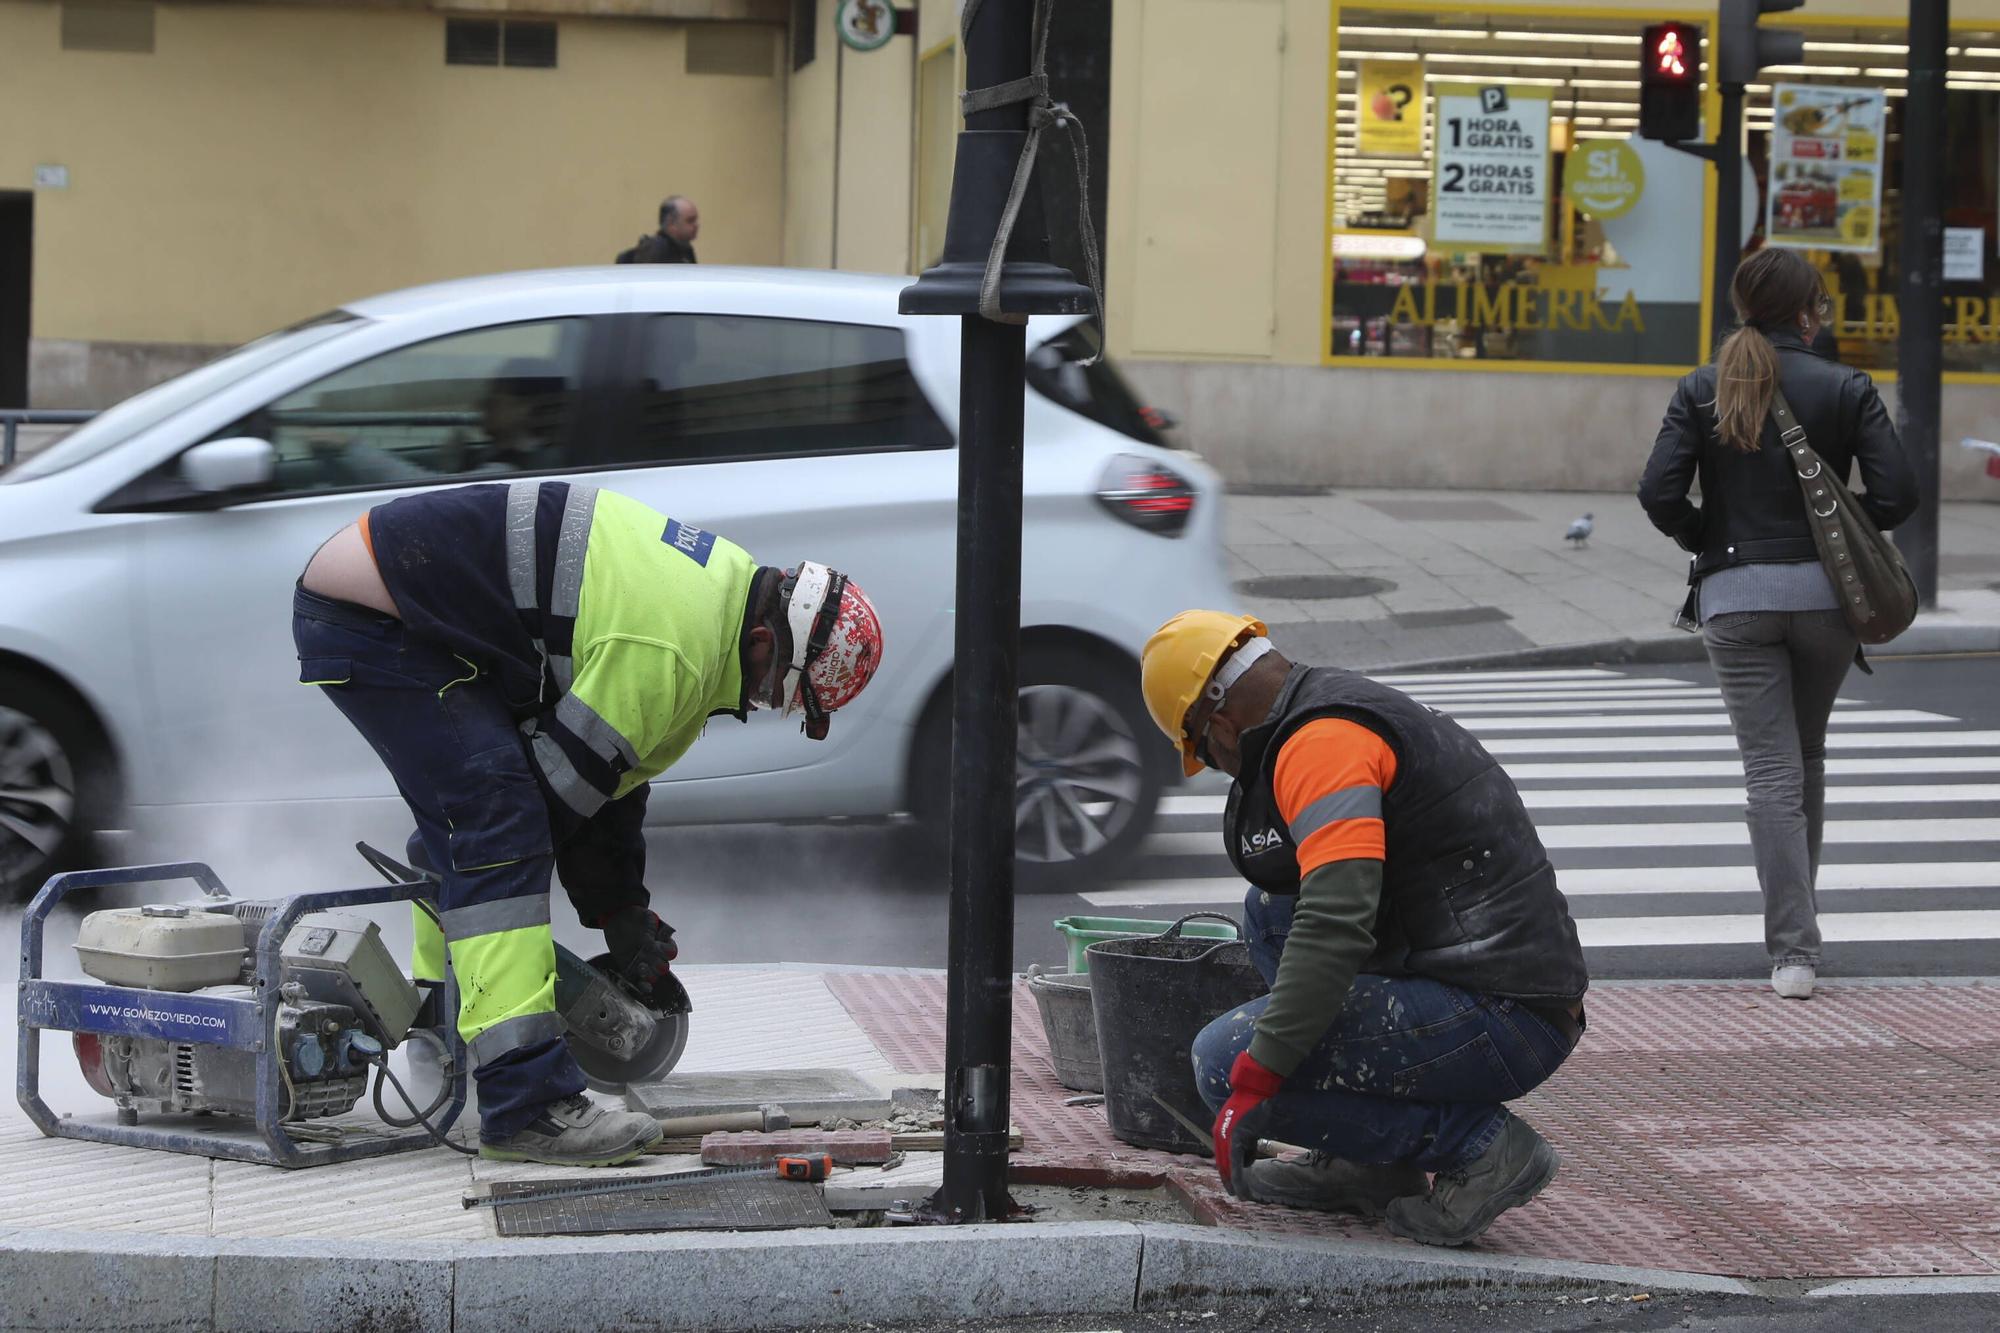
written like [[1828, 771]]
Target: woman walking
[[1769, 618]]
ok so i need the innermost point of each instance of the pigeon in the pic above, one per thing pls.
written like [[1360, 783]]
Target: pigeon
[[1579, 530]]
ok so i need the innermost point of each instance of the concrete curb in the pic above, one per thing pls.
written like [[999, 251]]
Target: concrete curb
[[1929, 636], [58, 1280]]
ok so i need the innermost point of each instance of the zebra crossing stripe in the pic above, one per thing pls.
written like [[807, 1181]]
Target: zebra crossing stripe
[[1614, 882], [1617, 798], [1834, 927], [1871, 717], [1857, 740]]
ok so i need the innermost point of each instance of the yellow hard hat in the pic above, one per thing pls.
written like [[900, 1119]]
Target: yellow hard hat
[[1176, 665]]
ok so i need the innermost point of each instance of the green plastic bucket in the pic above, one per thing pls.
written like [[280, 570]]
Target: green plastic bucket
[[1080, 932]]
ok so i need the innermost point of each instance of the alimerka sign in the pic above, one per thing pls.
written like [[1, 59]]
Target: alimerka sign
[[1512, 306]]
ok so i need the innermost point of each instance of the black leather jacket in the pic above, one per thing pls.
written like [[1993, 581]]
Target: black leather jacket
[[1751, 507], [1468, 894]]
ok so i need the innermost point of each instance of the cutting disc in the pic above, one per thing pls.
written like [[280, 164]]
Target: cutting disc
[[654, 1054]]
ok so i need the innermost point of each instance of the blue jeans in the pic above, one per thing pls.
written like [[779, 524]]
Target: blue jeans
[[1413, 1070], [449, 739]]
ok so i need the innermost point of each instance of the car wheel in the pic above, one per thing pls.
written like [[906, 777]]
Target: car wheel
[[51, 765], [1086, 781]]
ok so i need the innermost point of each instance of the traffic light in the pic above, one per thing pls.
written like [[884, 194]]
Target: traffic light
[[1747, 48], [1670, 81]]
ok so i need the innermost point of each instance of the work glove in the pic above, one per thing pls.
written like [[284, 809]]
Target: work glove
[[1238, 1123], [640, 944]]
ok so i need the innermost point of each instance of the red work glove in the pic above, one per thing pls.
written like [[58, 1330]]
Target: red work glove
[[1250, 1085]]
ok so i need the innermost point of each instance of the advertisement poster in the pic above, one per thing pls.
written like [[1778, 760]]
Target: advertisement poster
[[1491, 187], [1965, 254], [1392, 109], [1825, 190]]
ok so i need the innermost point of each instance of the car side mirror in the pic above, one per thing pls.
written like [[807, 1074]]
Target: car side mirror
[[234, 464]]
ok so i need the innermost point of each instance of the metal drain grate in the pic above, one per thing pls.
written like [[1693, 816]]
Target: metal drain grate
[[1314, 587], [745, 1203]]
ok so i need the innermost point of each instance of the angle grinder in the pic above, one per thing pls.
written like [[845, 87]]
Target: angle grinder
[[618, 1033]]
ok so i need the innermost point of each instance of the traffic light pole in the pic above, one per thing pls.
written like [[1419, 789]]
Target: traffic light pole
[[998, 40], [1920, 293], [1727, 155]]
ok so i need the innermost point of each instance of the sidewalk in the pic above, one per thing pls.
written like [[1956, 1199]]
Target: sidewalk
[[1377, 578], [1709, 1130]]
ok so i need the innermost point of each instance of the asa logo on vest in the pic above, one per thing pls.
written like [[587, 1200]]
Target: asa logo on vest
[[1269, 840]]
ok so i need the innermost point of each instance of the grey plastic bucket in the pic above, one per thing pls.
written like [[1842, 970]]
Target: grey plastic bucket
[[1071, 1025], [1151, 997]]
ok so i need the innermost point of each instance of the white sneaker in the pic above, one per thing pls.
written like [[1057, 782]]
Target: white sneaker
[[1794, 981]]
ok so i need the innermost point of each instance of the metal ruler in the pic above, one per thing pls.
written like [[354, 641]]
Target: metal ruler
[[539, 1192]]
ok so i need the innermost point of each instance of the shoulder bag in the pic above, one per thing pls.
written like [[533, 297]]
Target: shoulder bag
[[1869, 577]]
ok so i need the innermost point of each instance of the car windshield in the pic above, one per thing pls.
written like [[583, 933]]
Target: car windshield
[[115, 425], [1056, 370]]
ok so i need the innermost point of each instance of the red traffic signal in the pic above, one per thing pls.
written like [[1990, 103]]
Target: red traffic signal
[[1670, 81], [1672, 54]]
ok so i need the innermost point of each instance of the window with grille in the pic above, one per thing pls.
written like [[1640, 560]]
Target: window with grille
[[522, 44]]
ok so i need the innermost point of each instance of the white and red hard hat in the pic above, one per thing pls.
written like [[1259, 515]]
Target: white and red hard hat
[[836, 640]]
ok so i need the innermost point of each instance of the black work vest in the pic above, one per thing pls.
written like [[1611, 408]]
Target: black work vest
[[1468, 894]]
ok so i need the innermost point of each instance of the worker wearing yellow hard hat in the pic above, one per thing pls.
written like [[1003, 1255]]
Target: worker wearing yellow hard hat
[[1423, 966]]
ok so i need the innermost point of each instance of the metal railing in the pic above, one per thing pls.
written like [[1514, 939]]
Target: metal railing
[[13, 418]]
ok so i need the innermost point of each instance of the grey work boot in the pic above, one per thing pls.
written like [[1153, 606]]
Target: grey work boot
[[577, 1132], [1515, 1167], [1330, 1184]]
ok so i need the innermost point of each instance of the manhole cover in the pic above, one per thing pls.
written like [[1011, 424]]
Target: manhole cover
[[1314, 587]]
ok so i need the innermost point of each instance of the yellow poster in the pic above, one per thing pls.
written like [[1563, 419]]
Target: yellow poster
[[1391, 113]]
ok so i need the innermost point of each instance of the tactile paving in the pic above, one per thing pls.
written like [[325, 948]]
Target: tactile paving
[[1712, 1128]]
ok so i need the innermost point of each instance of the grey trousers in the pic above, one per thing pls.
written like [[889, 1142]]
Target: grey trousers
[[1779, 672]]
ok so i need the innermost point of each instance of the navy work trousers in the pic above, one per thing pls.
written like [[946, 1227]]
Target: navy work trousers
[[1413, 1070], [448, 738]]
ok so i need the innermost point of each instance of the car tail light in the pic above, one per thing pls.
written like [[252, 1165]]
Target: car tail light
[[1147, 494]]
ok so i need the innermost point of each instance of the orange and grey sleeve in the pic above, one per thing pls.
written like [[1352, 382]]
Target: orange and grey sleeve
[[1330, 780]]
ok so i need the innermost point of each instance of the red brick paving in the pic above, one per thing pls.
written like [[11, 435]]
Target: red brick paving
[[1711, 1128]]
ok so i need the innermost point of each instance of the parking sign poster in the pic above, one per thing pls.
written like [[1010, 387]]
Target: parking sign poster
[[1825, 190], [1491, 189]]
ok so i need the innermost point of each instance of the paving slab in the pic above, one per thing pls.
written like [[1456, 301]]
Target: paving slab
[[806, 1094]]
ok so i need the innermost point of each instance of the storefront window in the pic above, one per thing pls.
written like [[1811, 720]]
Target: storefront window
[[1493, 203], [1815, 200]]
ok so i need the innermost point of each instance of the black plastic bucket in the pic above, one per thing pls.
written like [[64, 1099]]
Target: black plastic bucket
[[1151, 997]]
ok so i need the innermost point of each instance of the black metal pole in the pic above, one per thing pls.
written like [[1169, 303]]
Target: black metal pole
[[1728, 205], [992, 354], [1920, 292]]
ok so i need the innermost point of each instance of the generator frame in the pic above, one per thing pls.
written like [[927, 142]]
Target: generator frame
[[209, 1020]]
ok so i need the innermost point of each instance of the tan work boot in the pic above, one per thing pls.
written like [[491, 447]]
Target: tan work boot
[[1330, 1184], [1515, 1167], [577, 1132]]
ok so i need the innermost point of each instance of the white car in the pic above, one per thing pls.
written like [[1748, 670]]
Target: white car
[[148, 681]]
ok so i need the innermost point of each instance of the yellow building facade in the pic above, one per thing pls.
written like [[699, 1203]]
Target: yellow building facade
[[1281, 286]]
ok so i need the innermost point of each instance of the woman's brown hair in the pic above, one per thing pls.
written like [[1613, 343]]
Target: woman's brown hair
[[1772, 289]]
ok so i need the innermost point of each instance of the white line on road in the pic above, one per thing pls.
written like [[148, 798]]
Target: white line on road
[[1680, 703], [1869, 717], [1834, 927], [1871, 766], [1633, 881], [1529, 689], [1618, 798], [1401, 679], [1615, 882], [1860, 740], [1734, 833], [1716, 833]]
